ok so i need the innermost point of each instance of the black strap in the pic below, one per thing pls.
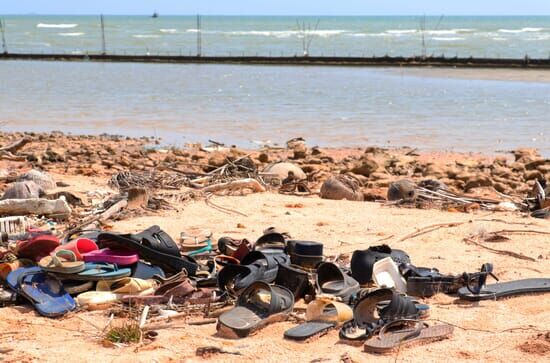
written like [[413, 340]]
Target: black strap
[[475, 282]]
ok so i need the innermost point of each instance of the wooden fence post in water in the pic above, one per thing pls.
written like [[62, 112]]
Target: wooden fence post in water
[[103, 47], [4, 44], [199, 36]]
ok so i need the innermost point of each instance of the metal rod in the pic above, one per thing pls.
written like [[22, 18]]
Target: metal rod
[[103, 47], [4, 44]]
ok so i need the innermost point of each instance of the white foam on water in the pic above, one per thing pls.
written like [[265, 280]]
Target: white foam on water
[[146, 36], [447, 39], [76, 34], [282, 33], [522, 30], [399, 32], [62, 26], [169, 31], [499, 39], [192, 30]]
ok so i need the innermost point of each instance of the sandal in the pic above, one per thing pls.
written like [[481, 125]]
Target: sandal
[[321, 315], [259, 305], [410, 332], [62, 262], [331, 280]]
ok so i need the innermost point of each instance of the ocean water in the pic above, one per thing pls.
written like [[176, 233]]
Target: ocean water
[[252, 105], [267, 35]]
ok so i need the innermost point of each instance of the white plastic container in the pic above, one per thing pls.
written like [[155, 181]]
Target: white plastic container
[[14, 227], [386, 274]]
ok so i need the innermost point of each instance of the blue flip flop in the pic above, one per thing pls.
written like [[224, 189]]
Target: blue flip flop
[[44, 292], [99, 271]]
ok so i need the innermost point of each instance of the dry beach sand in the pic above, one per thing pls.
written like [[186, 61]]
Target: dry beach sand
[[513, 330]]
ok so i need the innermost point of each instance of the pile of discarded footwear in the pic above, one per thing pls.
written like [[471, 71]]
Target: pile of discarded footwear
[[373, 301]]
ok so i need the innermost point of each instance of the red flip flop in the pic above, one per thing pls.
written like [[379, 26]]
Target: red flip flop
[[37, 247]]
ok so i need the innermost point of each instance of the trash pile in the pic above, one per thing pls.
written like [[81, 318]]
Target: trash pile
[[246, 285]]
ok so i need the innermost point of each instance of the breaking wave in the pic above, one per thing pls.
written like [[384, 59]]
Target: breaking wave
[[522, 30], [76, 34], [145, 36], [61, 26], [169, 31]]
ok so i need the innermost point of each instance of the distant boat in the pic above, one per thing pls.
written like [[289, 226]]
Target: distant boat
[[155, 15]]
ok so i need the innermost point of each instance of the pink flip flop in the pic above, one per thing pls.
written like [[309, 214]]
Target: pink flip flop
[[107, 255], [79, 246]]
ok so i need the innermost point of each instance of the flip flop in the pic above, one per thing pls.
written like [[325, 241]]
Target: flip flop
[[154, 245], [145, 271], [259, 305], [504, 289], [99, 271], [321, 315], [387, 340], [385, 273], [177, 289], [45, 293], [79, 247], [109, 292], [37, 247], [107, 255], [61, 262], [234, 247], [296, 280], [331, 280]]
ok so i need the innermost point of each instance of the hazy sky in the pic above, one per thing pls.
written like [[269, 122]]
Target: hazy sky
[[280, 7]]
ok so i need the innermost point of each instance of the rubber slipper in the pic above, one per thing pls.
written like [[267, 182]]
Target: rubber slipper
[[271, 240], [37, 247], [362, 261], [296, 280], [79, 247], [107, 255], [45, 293], [109, 292], [504, 289], [99, 271], [256, 266], [77, 287], [321, 316], [387, 340], [259, 305], [375, 309], [145, 271], [154, 245], [176, 290], [234, 247], [61, 262], [331, 280], [194, 245]]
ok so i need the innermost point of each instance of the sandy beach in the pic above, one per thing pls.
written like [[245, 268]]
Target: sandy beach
[[513, 330]]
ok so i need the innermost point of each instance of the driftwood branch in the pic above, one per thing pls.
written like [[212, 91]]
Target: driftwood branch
[[500, 252], [235, 185], [430, 228], [13, 147], [36, 206]]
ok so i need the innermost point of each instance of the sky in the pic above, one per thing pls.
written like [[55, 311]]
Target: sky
[[279, 7]]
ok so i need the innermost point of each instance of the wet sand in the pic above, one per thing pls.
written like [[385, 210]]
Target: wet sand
[[516, 75]]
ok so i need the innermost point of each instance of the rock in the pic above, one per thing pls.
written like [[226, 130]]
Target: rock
[[517, 166], [533, 175], [314, 161], [137, 198], [545, 169], [464, 176], [433, 185], [316, 151], [340, 187], [299, 150], [434, 171], [363, 180], [476, 181], [379, 176], [402, 190], [18, 207], [41, 178], [500, 187], [263, 158], [374, 194], [217, 159], [500, 161], [280, 171], [365, 167], [124, 161], [525, 154], [501, 172], [23, 190], [373, 150], [532, 165]]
